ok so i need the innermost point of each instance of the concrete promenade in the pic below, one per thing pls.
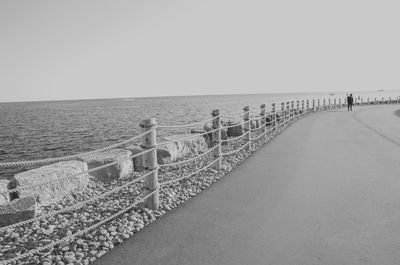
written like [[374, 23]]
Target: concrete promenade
[[325, 191]]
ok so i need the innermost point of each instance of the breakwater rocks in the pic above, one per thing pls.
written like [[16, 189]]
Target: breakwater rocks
[[50, 184], [59, 234]]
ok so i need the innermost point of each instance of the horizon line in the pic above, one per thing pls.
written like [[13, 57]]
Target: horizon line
[[196, 95]]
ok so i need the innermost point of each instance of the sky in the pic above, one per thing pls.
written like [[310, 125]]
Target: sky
[[76, 49]]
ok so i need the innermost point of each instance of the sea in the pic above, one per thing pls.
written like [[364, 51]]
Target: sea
[[36, 130]]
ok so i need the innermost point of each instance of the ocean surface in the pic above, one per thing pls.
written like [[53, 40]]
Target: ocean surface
[[34, 130]]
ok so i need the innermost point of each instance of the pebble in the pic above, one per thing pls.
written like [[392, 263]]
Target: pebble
[[112, 229], [100, 253], [95, 244], [105, 244], [69, 259]]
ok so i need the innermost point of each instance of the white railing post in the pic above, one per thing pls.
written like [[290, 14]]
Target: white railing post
[[151, 184], [302, 106], [292, 108], [263, 120], [313, 104], [288, 111], [334, 103], [273, 110], [246, 126], [319, 104], [324, 105], [216, 125], [298, 108], [329, 103], [340, 103], [283, 112]]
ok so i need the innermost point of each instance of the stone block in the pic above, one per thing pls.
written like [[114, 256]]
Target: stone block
[[18, 210], [182, 148], [62, 177], [4, 185], [122, 169], [234, 131]]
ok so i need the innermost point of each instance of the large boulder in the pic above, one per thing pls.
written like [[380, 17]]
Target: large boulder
[[138, 160], [235, 130], [18, 210], [123, 168], [268, 120], [62, 179], [224, 136], [163, 157], [4, 198], [209, 136], [181, 148]]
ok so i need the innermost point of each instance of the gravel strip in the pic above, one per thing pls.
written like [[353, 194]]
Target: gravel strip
[[91, 246]]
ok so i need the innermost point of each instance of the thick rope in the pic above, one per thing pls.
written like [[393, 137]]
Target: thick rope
[[235, 116], [256, 129], [81, 232], [187, 125], [190, 159], [258, 137], [190, 175], [236, 150], [37, 185], [236, 138], [186, 138], [63, 158], [79, 204], [234, 125]]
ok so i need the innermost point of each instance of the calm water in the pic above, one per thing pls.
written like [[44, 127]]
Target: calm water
[[34, 130]]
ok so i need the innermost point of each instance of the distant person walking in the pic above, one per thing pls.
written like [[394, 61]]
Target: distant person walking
[[350, 102]]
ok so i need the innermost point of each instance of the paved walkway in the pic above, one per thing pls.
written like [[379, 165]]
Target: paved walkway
[[325, 191]]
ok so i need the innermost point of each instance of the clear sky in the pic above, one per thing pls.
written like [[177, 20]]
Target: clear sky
[[99, 49]]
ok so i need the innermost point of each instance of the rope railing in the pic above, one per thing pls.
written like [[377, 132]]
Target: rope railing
[[257, 118], [190, 159], [64, 158], [277, 122], [40, 184], [186, 138], [235, 116], [234, 125], [79, 233], [237, 150], [258, 128], [189, 175], [236, 138], [187, 125], [79, 204], [258, 137]]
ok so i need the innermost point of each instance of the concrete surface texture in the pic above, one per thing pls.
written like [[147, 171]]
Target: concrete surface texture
[[325, 191]]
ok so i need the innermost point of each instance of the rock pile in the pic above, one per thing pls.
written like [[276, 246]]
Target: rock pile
[[62, 179], [122, 168], [83, 249]]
